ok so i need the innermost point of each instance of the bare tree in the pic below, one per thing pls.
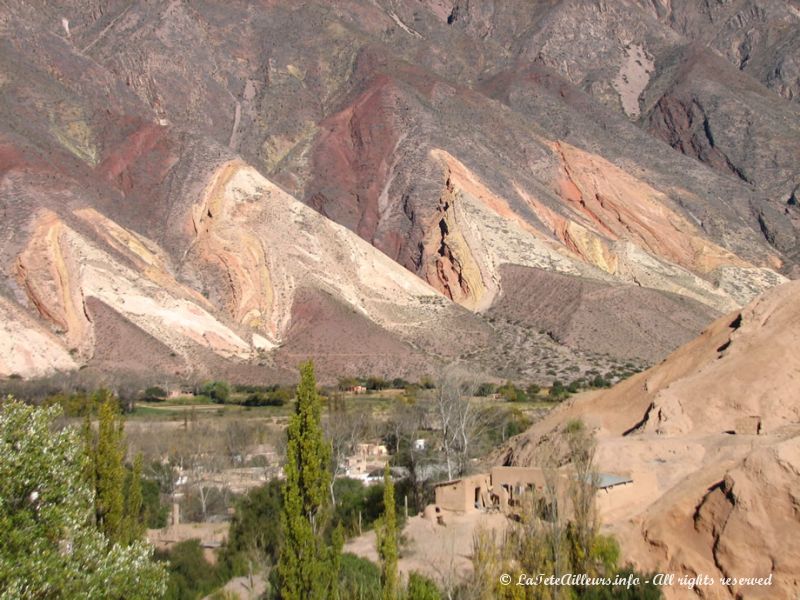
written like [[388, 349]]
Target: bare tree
[[581, 492], [200, 454], [459, 419], [406, 420], [344, 430], [238, 436]]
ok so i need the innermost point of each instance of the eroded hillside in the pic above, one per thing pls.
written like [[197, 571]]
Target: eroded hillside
[[242, 185]]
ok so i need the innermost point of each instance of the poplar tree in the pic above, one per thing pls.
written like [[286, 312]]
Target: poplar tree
[[117, 494], [305, 565], [109, 471], [134, 519], [387, 540]]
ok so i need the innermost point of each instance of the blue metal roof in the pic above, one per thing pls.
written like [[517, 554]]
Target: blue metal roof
[[607, 480]]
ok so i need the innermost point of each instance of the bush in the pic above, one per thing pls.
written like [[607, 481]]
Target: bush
[[277, 397], [511, 393], [190, 574], [352, 498], [574, 426], [376, 383], [421, 588], [532, 391], [255, 528], [218, 391], [154, 394], [485, 389], [360, 578], [558, 391], [427, 383]]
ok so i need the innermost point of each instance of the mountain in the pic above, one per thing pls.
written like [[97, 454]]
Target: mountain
[[710, 437], [381, 185]]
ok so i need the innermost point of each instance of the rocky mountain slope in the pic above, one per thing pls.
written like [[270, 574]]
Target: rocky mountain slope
[[156, 156], [711, 440]]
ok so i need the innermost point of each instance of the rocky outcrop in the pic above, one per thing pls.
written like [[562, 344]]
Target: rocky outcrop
[[48, 271], [26, 348], [756, 36], [453, 269], [711, 441], [693, 111], [354, 157]]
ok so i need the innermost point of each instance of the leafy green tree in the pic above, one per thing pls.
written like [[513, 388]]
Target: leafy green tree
[[376, 383], [135, 518], [305, 563], [118, 495], [254, 534], [345, 383], [357, 504], [218, 391], [107, 454], [155, 394], [155, 513], [49, 547], [511, 393], [387, 539], [190, 574]]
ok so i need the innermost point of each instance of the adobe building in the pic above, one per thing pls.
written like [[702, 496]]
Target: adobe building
[[462, 495], [503, 488]]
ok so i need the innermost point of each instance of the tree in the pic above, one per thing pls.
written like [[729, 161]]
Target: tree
[[135, 519], [118, 495], [406, 420], [218, 391], [387, 539], [201, 453], [254, 535], [50, 547], [107, 453], [304, 566], [155, 394], [459, 418], [583, 527], [190, 573], [557, 391], [344, 431]]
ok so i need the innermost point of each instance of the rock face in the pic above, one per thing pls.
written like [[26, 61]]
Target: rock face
[[757, 37], [200, 172], [710, 437]]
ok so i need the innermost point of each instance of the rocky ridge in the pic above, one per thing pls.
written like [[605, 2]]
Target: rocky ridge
[[711, 441]]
